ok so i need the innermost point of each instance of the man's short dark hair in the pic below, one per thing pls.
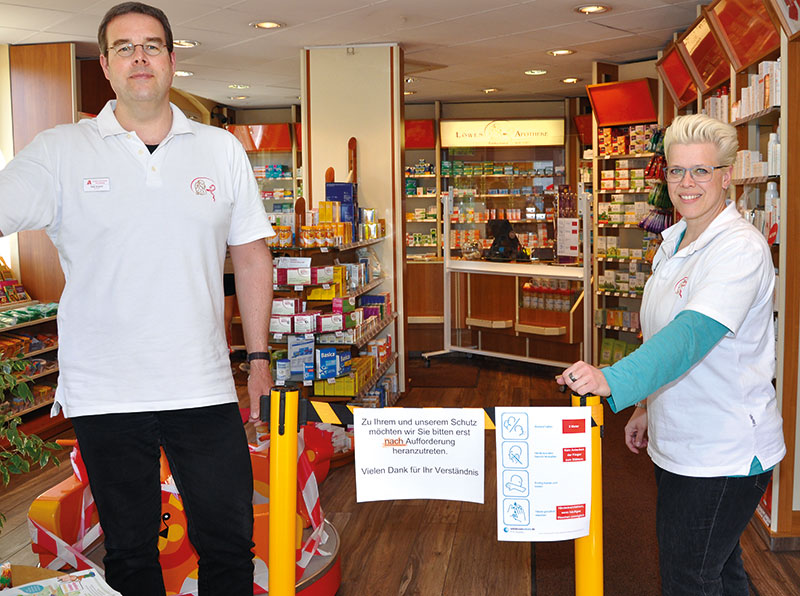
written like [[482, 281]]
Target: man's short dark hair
[[132, 7]]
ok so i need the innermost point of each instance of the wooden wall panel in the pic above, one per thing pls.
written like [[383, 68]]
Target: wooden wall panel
[[95, 88], [493, 297], [42, 96], [424, 289]]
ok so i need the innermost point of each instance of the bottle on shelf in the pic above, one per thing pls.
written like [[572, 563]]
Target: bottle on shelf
[[772, 203], [773, 155]]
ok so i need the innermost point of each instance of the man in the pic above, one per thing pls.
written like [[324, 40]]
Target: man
[[140, 203]]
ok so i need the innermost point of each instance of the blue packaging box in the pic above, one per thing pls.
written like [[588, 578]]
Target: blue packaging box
[[344, 192], [327, 362]]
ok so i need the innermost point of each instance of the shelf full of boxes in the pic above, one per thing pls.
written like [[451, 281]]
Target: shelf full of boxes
[[328, 325], [621, 246], [756, 172], [28, 333], [423, 212], [524, 193]]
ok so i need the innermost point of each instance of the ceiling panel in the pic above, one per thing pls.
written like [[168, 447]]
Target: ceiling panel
[[478, 43]]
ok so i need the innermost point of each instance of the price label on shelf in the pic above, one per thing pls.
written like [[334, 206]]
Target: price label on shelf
[[298, 288], [280, 383], [308, 383], [309, 336], [338, 334], [326, 286], [323, 249], [332, 381], [278, 336], [275, 286]]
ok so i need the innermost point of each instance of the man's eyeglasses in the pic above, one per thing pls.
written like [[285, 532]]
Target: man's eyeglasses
[[151, 48], [698, 173]]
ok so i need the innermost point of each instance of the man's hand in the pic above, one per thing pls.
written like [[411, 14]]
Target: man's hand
[[259, 382]]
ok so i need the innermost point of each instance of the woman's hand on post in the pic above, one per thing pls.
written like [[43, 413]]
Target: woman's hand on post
[[636, 430], [584, 378]]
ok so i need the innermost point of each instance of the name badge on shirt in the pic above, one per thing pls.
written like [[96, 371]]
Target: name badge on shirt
[[96, 184]]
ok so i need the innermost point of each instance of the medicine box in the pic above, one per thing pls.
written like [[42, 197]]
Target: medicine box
[[330, 322], [326, 361], [285, 306], [280, 324]]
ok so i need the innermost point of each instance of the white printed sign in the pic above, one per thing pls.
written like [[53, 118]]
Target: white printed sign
[[419, 453], [568, 237], [544, 473]]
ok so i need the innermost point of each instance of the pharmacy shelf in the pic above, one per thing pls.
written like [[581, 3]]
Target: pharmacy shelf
[[281, 338], [31, 408], [364, 390], [618, 294], [617, 328], [644, 191], [513, 221], [756, 180], [610, 225], [27, 378], [37, 352], [767, 116], [339, 248], [621, 260], [626, 155], [420, 196], [20, 304], [27, 324], [421, 245], [428, 221], [543, 176], [420, 175]]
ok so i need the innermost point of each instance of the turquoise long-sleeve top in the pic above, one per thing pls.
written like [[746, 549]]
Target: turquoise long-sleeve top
[[658, 362]]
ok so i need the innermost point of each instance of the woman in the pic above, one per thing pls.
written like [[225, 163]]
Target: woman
[[709, 417]]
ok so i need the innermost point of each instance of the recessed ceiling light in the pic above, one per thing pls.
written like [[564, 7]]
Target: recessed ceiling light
[[240, 97], [563, 52], [490, 90], [238, 86], [409, 80], [184, 73], [267, 25], [535, 72], [570, 80], [592, 8], [409, 92], [185, 43]]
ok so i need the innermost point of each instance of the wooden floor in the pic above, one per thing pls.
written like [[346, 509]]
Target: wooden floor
[[433, 548]]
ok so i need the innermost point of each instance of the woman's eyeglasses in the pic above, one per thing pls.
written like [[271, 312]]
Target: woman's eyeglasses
[[698, 173]]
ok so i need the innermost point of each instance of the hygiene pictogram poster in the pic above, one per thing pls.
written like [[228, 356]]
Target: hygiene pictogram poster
[[544, 473], [419, 453]]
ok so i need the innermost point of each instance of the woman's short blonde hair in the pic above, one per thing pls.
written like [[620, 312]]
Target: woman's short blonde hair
[[699, 128]]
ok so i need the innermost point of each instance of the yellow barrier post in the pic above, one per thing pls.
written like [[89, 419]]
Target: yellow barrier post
[[283, 408], [589, 549]]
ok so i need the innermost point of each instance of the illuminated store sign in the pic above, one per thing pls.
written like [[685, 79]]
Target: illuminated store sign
[[505, 133]]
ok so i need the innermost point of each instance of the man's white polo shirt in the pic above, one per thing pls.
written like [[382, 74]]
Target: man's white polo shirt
[[715, 418], [141, 239]]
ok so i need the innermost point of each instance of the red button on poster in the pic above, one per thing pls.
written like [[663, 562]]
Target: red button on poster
[[574, 426], [574, 454], [571, 511]]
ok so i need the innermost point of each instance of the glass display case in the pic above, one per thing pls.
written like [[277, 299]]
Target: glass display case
[[506, 202]]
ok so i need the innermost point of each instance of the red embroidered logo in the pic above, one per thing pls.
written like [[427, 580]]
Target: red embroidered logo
[[204, 186], [682, 283]]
